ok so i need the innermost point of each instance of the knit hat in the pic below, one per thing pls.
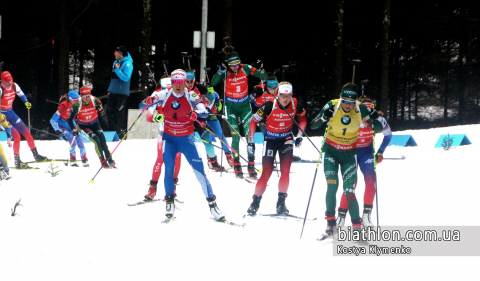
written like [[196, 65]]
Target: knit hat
[[85, 91], [122, 50], [232, 56], [285, 88], [73, 95], [349, 90], [6, 76], [166, 83], [190, 75], [272, 81]]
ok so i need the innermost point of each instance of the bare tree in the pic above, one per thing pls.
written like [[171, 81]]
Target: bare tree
[[146, 46], [383, 101], [338, 45], [64, 46]]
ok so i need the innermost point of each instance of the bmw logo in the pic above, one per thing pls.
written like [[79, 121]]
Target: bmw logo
[[175, 104], [346, 119]]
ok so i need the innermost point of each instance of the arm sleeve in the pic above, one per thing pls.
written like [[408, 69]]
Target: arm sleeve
[[317, 122], [73, 112], [20, 93], [217, 78], [250, 70], [302, 119], [54, 122], [198, 105], [125, 72], [387, 132]]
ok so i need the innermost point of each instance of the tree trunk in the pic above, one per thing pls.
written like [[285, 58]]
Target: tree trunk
[[445, 91], [227, 20], [383, 102], [338, 45], [146, 46], [465, 54], [63, 56]]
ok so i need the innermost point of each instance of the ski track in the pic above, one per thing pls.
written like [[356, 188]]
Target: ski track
[[70, 229]]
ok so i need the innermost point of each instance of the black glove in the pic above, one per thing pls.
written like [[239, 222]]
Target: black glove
[[60, 134], [222, 68], [251, 148], [75, 132], [298, 142], [373, 114], [258, 64], [327, 114]]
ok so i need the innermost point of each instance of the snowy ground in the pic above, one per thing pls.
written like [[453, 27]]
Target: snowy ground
[[70, 229]]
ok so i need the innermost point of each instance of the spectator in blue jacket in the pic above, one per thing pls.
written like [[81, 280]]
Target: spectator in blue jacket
[[119, 90]]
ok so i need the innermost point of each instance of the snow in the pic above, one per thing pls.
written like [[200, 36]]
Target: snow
[[70, 229]]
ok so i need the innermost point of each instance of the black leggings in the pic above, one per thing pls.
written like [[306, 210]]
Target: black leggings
[[270, 148], [95, 134]]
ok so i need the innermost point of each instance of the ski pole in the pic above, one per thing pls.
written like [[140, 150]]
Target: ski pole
[[134, 122], [311, 191], [29, 119], [313, 183], [72, 142], [211, 132]]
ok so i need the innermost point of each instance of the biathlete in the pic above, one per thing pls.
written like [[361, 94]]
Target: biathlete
[[86, 113], [4, 170], [343, 118], [278, 116], [8, 90], [60, 124], [237, 105], [164, 85], [367, 160], [181, 108], [211, 104]]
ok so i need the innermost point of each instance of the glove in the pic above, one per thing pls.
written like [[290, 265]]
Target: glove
[[149, 101], [75, 132], [298, 142], [258, 64], [373, 114], [193, 116], [251, 148], [379, 157], [327, 114], [222, 68], [60, 134], [28, 105], [158, 118], [219, 106]]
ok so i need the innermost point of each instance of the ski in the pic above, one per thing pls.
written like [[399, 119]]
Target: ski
[[285, 216], [48, 160], [229, 222], [325, 237], [24, 168], [400, 158], [152, 201], [145, 202], [168, 220]]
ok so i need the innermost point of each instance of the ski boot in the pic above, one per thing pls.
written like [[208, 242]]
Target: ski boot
[[281, 208], [238, 169], [112, 164], [216, 213], [214, 164], [252, 172], [4, 175], [175, 181], [18, 163], [331, 230], [230, 160], [73, 162], [85, 162], [38, 157], [366, 218], [152, 191], [170, 209], [255, 205], [210, 166], [104, 163], [342, 213]]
